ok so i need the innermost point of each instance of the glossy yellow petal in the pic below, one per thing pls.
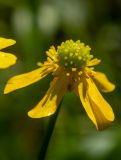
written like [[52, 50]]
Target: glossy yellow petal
[[6, 60], [102, 82], [48, 105], [26, 79], [6, 42], [98, 110]]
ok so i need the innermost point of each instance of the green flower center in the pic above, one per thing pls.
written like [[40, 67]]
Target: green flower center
[[73, 54]]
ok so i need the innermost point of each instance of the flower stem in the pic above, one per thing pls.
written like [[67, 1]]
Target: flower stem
[[48, 134]]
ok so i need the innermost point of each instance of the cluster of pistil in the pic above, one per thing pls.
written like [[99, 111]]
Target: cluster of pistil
[[73, 54]]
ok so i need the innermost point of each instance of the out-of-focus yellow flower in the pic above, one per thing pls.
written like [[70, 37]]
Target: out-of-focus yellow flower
[[72, 67], [6, 59]]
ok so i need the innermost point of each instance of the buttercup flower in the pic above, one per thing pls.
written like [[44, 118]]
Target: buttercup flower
[[72, 67], [6, 59]]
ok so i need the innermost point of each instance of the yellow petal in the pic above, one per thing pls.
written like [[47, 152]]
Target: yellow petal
[[26, 79], [93, 62], [102, 82], [6, 60], [48, 105], [6, 42], [98, 110]]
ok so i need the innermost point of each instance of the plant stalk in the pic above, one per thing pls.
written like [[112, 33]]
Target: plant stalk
[[49, 132]]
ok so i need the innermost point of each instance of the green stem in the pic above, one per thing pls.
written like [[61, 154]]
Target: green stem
[[48, 134]]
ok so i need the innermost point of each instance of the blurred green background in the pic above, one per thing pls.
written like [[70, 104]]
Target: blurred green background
[[36, 25]]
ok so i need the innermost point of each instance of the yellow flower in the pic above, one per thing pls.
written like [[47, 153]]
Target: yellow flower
[[6, 59], [72, 67]]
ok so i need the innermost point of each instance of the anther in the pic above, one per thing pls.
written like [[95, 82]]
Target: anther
[[79, 57], [67, 74], [65, 58], [74, 69], [71, 54], [79, 73], [71, 62], [76, 54]]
